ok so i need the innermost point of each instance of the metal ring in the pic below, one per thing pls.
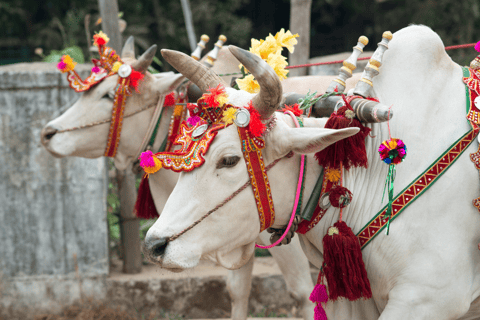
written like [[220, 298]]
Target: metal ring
[[321, 201]]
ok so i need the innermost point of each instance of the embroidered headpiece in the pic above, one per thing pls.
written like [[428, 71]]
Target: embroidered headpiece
[[108, 64], [210, 114]]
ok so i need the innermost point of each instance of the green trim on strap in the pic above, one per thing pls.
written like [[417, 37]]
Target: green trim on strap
[[155, 130], [466, 73], [410, 185]]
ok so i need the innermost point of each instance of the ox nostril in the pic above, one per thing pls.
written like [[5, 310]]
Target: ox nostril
[[157, 247], [48, 133]]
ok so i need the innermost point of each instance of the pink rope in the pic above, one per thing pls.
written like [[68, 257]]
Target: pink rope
[[297, 197]]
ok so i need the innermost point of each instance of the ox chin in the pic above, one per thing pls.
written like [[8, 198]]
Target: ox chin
[[236, 258]]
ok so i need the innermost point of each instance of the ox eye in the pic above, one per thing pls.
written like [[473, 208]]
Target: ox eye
[[228, 162], [109, 95]]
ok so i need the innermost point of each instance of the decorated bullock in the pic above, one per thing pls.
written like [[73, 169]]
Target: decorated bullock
[[419, 242], [125, 110]]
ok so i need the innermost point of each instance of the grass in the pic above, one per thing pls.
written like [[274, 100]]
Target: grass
[[265, 313]]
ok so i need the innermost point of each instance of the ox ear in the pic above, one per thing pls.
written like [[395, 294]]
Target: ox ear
[[236, 258], [306, 140], [168, 82]]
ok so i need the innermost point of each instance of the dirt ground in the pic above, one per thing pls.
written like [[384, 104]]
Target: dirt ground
[[120, 310]]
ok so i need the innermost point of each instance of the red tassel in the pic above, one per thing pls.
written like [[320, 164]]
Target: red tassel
[[340, 197], [135, 78], [144, 206], [350, 151], [169, 100], [344, 268], [295, 109]]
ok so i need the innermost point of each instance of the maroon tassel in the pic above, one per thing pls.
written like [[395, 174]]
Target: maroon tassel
[[144, 206], [344, 268], [350, 151]]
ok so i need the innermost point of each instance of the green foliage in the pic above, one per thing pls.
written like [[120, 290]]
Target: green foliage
[[74, 52]]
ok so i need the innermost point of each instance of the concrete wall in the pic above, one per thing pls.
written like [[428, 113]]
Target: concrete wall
[[53, 229]]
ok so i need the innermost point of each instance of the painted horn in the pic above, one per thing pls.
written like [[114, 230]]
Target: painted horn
[[128, 50], [365, 110], [267, 101], [145, 60], [196, 72]]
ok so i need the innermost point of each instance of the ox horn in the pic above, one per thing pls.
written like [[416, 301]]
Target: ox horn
[[196, 72], [268, 99], [145, 60], [128, 50]]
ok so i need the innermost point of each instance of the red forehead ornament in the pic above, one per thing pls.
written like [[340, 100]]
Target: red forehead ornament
[[109, 64]]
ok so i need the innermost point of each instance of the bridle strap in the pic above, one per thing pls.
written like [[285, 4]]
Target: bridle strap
[[252, 152], [148, 139]]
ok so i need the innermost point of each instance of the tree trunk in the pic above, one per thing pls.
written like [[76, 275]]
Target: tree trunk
[[109, 14], [300, 12], [129, 226]]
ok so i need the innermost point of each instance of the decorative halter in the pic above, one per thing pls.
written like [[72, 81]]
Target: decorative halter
[[109, 64], [208, 116]]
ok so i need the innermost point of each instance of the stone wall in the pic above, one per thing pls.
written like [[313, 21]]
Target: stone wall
[[53, 227]]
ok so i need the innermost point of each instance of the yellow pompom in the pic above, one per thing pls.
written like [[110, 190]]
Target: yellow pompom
[[66, 64], [332, 175], [178, 110], [116, 66], [222, 99], [229, 115], [158, 166]]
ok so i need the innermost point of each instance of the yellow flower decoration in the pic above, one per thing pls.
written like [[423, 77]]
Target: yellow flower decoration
[[229, 115], [268, 47], [286, 39], [332, 175], [278, 64], [248, 84]]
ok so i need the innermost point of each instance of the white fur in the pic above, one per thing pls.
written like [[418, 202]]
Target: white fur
[[428, 267], [91, 142]]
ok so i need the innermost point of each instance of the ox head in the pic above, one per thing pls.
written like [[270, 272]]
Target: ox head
[[94, 108], [229, 233]]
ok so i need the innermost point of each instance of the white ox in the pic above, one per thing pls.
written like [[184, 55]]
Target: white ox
[[427, 267], [96, 105]]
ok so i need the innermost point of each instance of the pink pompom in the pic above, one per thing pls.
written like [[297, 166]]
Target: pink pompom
[[319, 293], [477, 46], [95, 69], [319, 313], [61, 65], [146, 159], [192, 121]]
